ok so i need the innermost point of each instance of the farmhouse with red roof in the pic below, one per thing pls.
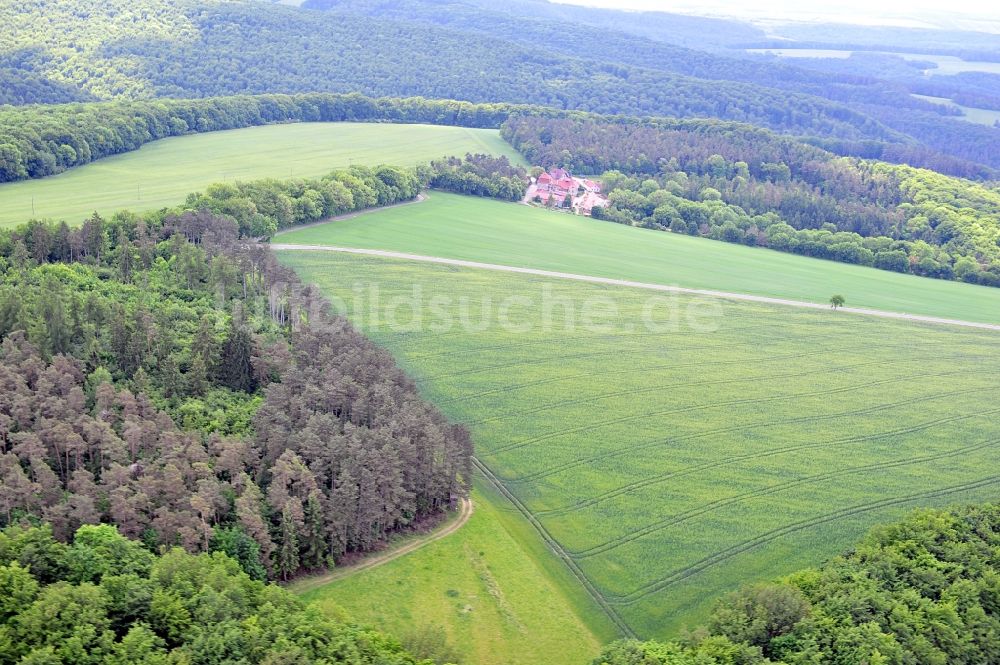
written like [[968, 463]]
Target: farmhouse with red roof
[[552, 187]]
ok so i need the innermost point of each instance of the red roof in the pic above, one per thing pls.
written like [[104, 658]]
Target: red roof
[[566, 183], [544, 178]]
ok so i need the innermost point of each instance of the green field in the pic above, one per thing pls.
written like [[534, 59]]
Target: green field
[[496, 603], [946, 64], [164, 172], [490, 231], [670, 466], [978, 116]]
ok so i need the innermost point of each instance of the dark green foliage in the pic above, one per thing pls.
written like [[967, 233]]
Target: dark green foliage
[[37, 141], [747, 185], [924, 590], [262, 207], [235, 362], [207, 400], [197, 49], [234, 542], [480, 175], [175, 608]]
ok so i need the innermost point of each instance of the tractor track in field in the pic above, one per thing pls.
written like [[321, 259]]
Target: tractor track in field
[[663, 288], [706, 508], [769, 536], [555, 434], [558, 551], [659, 478], [714, 382]]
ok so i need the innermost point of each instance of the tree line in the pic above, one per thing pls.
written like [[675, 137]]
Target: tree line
[[164, 375], [39, 141], [99, 598], [923, 590], [746, 185], [195, 49], [262, 207], [480, 175]]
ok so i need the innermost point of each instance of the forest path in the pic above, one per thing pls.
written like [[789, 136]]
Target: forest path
[[376, 560], [638, 285]]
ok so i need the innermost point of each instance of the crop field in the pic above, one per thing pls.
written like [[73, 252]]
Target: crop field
[[669, 449], [462, 227], [492, 599], [162, 173]]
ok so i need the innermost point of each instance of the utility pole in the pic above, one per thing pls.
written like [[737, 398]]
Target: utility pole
[[32, 206]]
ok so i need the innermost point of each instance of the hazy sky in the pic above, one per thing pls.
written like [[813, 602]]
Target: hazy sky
[[965, 14]]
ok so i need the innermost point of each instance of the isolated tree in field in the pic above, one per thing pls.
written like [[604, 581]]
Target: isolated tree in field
[[837, 301]]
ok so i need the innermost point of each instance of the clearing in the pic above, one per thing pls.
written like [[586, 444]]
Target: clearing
[[162, 173]]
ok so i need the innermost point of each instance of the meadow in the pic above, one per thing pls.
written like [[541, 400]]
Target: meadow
[[980, 116], [162, 173], [493, 599], [461, 227], [667, 460]]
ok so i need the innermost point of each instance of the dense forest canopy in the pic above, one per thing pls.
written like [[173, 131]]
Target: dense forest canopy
[[164, 375], [103, 599], [748, 185], [924, 590], [200, 48]]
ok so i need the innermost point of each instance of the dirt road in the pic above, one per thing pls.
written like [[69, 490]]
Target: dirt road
[[376, 560], [637, 285]]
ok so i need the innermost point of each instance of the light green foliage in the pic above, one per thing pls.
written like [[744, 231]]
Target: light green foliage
[[493, 232], [496, 601], [182, 609], [66, 307], [919, 591], [671, 466], [163, 173]]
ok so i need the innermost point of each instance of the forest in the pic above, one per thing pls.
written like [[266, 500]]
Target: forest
[[165, 376], [747, 185], [203, 49], [38, 141], [102, 598], [923, 590]]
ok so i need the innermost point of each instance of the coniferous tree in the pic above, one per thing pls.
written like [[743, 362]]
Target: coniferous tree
[[235, 366], [288, 546]]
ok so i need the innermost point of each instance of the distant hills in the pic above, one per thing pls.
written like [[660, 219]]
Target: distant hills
[[526, 51]]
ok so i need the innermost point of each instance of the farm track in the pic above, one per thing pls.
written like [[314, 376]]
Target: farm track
[[747, 545], [647, 482], [608, 336], [824, 336], [376, 560], [703, 509], [726, 295]]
